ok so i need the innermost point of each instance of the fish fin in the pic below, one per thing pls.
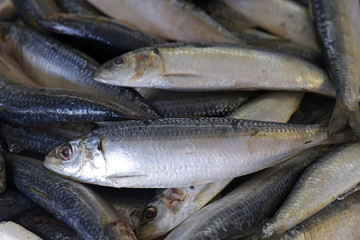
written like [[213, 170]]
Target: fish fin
[[182, 74], [341, 117], [348, 192], [345, 136]]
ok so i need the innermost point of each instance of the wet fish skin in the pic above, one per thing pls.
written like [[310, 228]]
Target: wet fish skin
[[46, 226], [337, 24], [312, 191], [25, 106], [78, 7], [14, 203], [196, 104], [249, 205], [53, 64], [212, 140], [31, 10], [99, 31], [172, 206], [19, 139], [338, 220], [209, 67], [71, 202], [175, 20]]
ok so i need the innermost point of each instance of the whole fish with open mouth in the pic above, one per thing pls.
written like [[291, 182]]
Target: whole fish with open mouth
[[175, 20], [136, 153], [333, 176], [209, 67], [337, 22], [172, 206], [71, 202], [53, 64]]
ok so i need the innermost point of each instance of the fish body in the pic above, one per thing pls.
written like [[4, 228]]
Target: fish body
[[338, 220], [337, 23], [174, 20], [317, 187], [53, 64], [172, 206], [71, 202], [11, 230], [78, 7], [209, 67], [247, 206], [102, 32], [136, 153]]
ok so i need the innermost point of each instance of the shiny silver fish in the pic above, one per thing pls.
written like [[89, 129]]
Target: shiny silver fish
[[202, 150], [209, 67], [327, 179]]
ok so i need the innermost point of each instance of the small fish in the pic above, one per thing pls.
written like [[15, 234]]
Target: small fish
[[287, 19], [331, 177], [337, 22], [175, 20], [338, 220], [202, 150], [209, 67], [71, 202], [249, 205]]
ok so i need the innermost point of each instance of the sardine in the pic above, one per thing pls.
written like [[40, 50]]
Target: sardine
[[202, 150], [172, 206], [285, 18], [78, 7], [71, 202], [209, 67], [53, 64], [338, 220], [195, 104], [25, 106], [104, 33], [249, 205], [175, 20], [338, 28], [31, 10], [329, 178]]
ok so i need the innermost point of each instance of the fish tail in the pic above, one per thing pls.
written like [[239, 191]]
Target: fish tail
[[341, 117]]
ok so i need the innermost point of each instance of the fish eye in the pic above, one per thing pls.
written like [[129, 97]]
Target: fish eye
[[65, 152], [38, 221], [150, 213], [120, 60]]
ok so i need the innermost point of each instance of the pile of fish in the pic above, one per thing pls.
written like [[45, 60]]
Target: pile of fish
[[179, 119]]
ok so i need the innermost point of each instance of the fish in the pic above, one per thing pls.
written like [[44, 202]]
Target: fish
[[210, 67], [78, 7], [31, 10], [136, 153], [2, 171], [249, 205], [337, 24], [195, 104], [11, 230], [26, 106], [19, 139], [53, 64], [13, 204], [102, 32], [174, 20], [339, 220], [331, 177], [284, 18], [46, 226], [172, 206], [75, 204]]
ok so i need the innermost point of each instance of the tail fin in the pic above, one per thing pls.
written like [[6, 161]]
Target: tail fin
[[341, 117]]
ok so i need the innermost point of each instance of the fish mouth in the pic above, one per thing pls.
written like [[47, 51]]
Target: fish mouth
[[104, 73], [52, 163]]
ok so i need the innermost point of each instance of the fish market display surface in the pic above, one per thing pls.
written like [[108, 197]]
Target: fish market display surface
[[179, 152], [209, 67]]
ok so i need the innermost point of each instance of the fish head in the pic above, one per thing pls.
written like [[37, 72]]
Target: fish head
[[81, 159], [155, 220], [132, 68]]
